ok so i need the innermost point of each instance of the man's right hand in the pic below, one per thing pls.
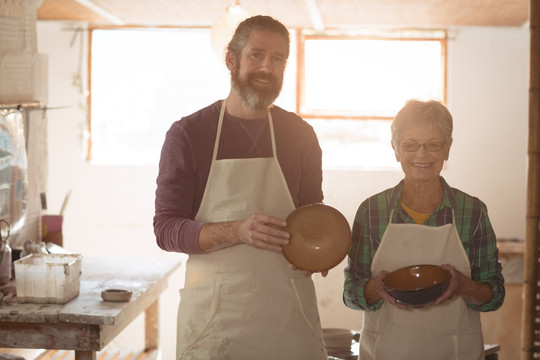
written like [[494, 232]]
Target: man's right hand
[[258, 230]]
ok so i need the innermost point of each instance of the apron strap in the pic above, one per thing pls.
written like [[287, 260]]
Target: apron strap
[[218, 133], [220, 125]]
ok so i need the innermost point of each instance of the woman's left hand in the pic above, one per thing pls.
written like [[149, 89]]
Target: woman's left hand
[[471, 291], [453, 286]]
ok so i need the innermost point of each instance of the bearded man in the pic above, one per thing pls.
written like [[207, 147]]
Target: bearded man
[[229, 175]]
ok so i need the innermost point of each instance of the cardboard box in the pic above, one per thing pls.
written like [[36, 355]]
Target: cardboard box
[[48, 278]]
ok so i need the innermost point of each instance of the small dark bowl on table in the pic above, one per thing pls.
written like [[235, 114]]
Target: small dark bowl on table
[[417, 285]]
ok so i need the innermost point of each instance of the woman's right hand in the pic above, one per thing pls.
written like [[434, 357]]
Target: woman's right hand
[[374, 291]]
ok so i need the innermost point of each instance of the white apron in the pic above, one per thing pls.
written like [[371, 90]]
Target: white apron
[[241, 302], [450, 331]]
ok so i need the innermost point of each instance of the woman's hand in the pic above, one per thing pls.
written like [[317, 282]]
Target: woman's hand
[[374, 291], [471, 291], [453, 286]]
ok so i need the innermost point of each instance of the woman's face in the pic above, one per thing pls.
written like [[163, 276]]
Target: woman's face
[[422, 165]]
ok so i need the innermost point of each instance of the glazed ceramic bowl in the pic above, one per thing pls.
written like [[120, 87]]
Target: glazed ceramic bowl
[[417, 285], [320, 237]]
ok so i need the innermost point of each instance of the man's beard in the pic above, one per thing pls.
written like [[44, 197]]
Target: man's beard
[[256, 99]]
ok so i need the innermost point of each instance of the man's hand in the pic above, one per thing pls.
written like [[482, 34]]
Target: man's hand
[[308, 272], [258, 230], [263, 232]]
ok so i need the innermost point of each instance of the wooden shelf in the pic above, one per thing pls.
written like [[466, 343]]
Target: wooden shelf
[[511, 247]]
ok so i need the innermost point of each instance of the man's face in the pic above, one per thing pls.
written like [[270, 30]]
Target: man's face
[[257, 76]]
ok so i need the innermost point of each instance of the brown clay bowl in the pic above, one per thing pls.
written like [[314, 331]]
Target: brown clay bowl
[[417, 285], [320, 237]]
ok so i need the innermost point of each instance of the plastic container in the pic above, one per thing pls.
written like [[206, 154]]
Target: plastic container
[[48, 278]]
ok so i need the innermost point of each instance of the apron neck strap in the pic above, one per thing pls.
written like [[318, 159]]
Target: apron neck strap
[[392, 214], [220, 125]]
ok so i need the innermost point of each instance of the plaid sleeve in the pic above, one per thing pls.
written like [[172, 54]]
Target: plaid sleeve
[[485, 265], [369, 225]]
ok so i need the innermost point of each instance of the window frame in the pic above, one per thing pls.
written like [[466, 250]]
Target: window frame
[[301, 35], [401, 35], [90, 31]]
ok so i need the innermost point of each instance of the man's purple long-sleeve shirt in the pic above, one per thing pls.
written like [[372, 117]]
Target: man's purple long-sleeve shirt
[[186, 157]]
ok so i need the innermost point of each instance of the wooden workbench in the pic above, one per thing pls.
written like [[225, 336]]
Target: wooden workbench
[[87, 324]]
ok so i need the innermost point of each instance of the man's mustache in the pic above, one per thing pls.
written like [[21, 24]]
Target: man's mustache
[[263, 76]]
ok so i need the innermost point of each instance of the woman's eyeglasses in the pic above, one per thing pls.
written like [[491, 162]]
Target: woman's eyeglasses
[[411, 146]]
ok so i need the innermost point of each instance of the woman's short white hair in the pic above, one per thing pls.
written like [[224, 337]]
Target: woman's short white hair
[[417, 112]]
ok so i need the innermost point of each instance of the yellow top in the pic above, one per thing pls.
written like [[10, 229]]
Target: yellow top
[[419, 218]]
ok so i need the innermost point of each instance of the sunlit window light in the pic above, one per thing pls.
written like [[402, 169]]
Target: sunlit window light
[[142, 80]]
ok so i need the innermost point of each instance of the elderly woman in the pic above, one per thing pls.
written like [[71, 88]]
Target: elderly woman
[[423, 221]]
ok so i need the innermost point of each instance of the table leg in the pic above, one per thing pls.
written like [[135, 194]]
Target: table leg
[[151, 328], [85, 355]]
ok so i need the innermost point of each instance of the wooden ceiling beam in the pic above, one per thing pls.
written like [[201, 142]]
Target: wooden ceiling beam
[[67, 10], [101, 11], [315, 15]]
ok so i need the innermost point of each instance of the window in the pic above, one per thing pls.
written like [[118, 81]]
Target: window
[[347, 87], [368, 77], [142, 80], [352, 85]]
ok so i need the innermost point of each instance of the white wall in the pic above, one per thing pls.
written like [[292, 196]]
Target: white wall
[[111, 208]]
